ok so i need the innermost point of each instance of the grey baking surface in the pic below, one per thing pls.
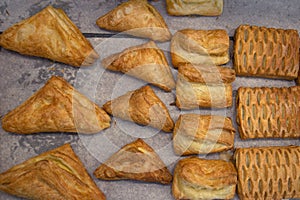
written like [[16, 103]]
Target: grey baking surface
[[22, 75]]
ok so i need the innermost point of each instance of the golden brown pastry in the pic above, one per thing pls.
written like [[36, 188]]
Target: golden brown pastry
[[138, 18], [201, 134], [210, 47], [50, 34], [56, 107], [135, 161], [196, 178], [204, 86], [56, 174], [266, 52], [268, 172], [195, 7], [143, 107], [298, 79], [268, 112], [146, 62]]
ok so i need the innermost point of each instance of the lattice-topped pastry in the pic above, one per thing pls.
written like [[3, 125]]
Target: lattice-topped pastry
[[268, 172], [266, 52], [268, 112]]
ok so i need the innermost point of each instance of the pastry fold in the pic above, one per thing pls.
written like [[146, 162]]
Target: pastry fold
[[268, 172], [50, 34], [201, 134], [56, 107], [146, 62], [268, 112], [138, 18], [196, 178], [135, 161], [143, 107], [266, 52], [195, 7], [210, 47], [204, 86], [55, 174]]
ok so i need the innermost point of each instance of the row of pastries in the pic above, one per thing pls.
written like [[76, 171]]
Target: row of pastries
[[201, 82]]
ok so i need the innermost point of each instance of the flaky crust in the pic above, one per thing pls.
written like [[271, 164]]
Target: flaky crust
[[149, 24], [196, 178], [195, 7], [50, 34], [56, 107], [135, 161], [210, 47], [56, 174], [268, 112], [206, 74], [143, 107], [198, 134], [266, 52], [192, 90], [268, 172], [298, 79], [146, 62]]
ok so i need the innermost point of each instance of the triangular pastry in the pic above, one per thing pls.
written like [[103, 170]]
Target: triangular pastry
[[146, 62], [135, 161], [143, 107], [137, 18], [56, 107], [56, 174], [50, 34]]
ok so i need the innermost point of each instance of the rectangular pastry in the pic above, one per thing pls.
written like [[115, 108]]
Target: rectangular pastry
[[209, 47], [195, 7], [201, 134], [196, 178], [204, 86], [268, 172], [266, 52], [268, 112]]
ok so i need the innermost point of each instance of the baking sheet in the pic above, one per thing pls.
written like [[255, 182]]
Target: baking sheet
[[22, 75]]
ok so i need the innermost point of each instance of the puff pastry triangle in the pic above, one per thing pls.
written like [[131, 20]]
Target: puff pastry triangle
[[143, 107], [146, 62], [137, 18], [56, 107], [135, 161], [56, 174], [50, 34]]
